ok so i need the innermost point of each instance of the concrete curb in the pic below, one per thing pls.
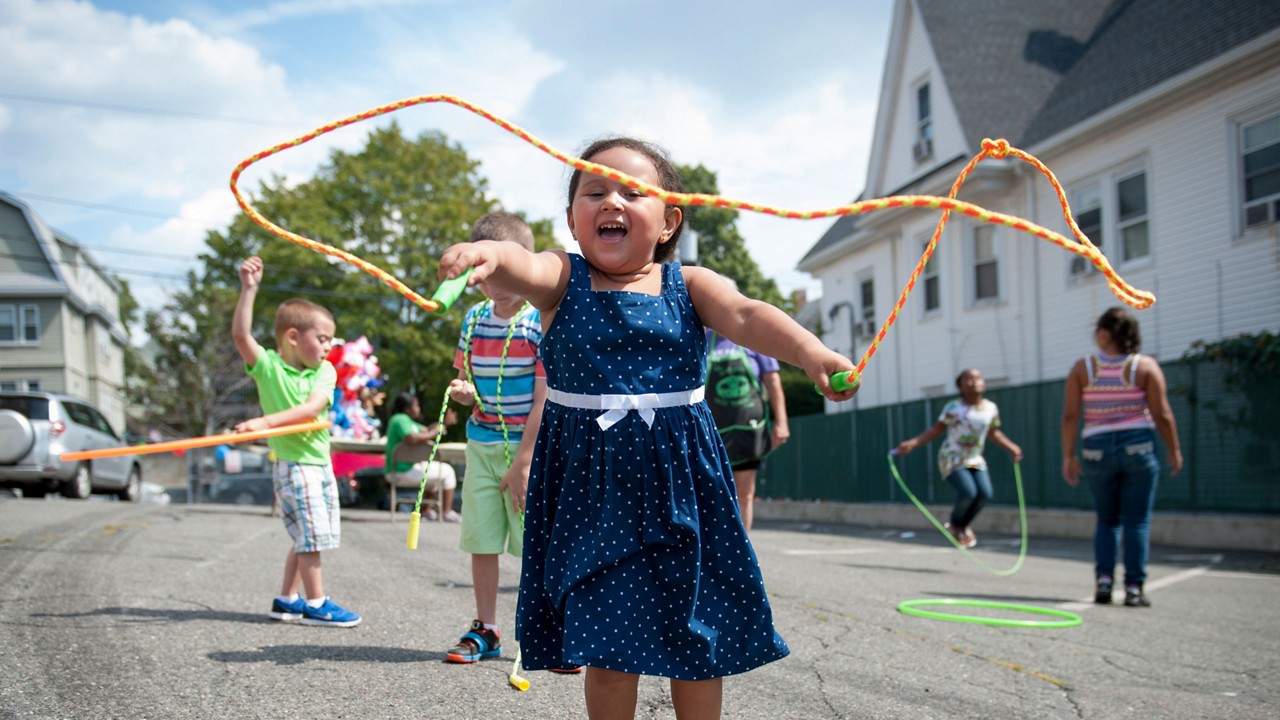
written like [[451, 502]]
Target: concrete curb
[[1198, 530]]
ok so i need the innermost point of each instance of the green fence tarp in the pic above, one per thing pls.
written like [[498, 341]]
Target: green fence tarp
[[1230, 439]]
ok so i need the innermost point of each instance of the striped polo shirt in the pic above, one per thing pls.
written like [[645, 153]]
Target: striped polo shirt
[[519, 370], [1112, 399]]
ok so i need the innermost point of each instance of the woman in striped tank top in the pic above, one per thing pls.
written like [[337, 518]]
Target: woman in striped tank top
[[1124, 401]]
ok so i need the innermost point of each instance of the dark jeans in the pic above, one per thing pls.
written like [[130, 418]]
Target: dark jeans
[[1123, 472], [973, 490]]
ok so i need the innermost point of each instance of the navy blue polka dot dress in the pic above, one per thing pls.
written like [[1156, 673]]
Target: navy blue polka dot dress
[[635, 558]]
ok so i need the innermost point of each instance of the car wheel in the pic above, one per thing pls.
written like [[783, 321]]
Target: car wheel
[[244, 497], [16, 436], [80, 484], [132, 491]]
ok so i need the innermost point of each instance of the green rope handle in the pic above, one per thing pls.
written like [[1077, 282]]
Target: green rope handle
[[1022, 518], [450, 290]]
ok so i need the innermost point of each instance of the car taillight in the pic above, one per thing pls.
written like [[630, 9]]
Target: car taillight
[[56, 428]]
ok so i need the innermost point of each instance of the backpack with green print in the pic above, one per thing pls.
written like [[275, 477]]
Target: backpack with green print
[[738, 404]]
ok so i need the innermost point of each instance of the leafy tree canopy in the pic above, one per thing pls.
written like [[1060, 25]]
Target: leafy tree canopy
[[720, 246], [397, 203]]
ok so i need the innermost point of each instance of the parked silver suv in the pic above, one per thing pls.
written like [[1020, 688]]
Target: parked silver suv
[[37, 427]]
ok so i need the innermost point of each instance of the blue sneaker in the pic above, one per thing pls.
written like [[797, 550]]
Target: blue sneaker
[[330, 614], [287, 612]]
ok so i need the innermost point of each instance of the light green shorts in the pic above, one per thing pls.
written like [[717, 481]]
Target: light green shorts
[[488, 520]]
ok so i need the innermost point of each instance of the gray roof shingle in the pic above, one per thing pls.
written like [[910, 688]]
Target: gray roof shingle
[[1026, 70]]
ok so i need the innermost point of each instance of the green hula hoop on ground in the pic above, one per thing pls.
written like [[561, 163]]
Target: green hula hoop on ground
[[1065, 619]]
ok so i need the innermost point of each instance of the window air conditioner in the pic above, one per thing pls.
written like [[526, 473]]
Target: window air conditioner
[[922, 149]]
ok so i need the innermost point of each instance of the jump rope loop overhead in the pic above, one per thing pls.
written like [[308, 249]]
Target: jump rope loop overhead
[[997, 149]]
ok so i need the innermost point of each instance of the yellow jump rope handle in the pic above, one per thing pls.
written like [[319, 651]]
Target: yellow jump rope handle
[[414, 520], [518, 682], [514, 678]]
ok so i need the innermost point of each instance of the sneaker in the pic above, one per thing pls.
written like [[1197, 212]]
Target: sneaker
[[477, 643], [430, 514], [957, 535], [287, 612], [330, 614], [1134, 597], [452, 517], [970, 539], [1102, 595]]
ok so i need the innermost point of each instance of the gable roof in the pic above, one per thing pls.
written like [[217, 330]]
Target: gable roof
[[1027, 70], [62, 284], [1002, 59], [1142, 43]]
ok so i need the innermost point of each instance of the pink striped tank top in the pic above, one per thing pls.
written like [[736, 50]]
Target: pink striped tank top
[[1113, 401]]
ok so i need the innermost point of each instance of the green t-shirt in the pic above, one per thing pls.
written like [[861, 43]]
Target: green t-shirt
[[282, 386], [398, 427]]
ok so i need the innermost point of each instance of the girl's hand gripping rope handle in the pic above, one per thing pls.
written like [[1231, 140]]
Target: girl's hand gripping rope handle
[[450, 290], [847, 380], [843, 381]]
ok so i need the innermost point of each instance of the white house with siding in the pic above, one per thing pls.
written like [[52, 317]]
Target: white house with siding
[[60, 328], [1161, 118]]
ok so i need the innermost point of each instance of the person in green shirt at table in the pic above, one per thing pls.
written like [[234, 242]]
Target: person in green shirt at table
[[404, 426]]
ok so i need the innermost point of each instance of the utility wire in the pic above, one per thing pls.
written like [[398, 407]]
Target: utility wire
[[99, 206], [139, 110]]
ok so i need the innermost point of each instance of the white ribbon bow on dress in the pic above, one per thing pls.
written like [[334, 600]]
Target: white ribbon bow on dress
[[616, 407]]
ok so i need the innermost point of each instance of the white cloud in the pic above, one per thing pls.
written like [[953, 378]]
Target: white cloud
[[294, 10], [789, 130]]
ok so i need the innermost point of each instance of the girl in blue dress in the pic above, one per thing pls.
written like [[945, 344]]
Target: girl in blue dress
[[635, 558]]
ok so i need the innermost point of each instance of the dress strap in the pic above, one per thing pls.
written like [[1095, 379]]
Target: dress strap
[[616, 407]]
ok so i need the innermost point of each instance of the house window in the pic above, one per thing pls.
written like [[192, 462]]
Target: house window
[[1260, 146], [923, 148], [929, 279], [8, 385], [1087, 207], [1114, 214], [1131, 198], [986, 267], [868, 292], [20, 324]]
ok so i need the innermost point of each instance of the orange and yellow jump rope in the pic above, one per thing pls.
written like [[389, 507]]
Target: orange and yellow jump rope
[[1080, 245]]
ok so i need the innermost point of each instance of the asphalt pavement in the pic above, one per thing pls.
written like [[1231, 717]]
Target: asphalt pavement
[[111, 610]]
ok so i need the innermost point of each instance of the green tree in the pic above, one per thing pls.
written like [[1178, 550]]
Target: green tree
[[723, 249], [397, 203], [720, 246]]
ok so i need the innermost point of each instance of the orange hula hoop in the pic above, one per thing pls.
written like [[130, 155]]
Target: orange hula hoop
[[196, 442]]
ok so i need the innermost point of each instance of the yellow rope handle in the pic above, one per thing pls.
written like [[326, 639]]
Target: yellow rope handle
[[1080, 245]]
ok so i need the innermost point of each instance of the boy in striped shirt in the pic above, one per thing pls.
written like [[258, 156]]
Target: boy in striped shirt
[[500, 374]]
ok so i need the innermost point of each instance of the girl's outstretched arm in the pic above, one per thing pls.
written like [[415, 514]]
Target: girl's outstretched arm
[[765, 329], [541, 278]]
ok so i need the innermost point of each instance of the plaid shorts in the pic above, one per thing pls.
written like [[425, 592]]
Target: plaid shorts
[[308, 496]]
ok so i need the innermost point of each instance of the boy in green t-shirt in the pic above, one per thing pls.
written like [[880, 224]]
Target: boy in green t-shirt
[[295, 385]]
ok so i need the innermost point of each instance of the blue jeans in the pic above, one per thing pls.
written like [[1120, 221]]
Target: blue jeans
[[1122, 470], [973, 490]]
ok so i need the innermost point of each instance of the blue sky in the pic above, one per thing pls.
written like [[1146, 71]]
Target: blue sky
[[121, 121]]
